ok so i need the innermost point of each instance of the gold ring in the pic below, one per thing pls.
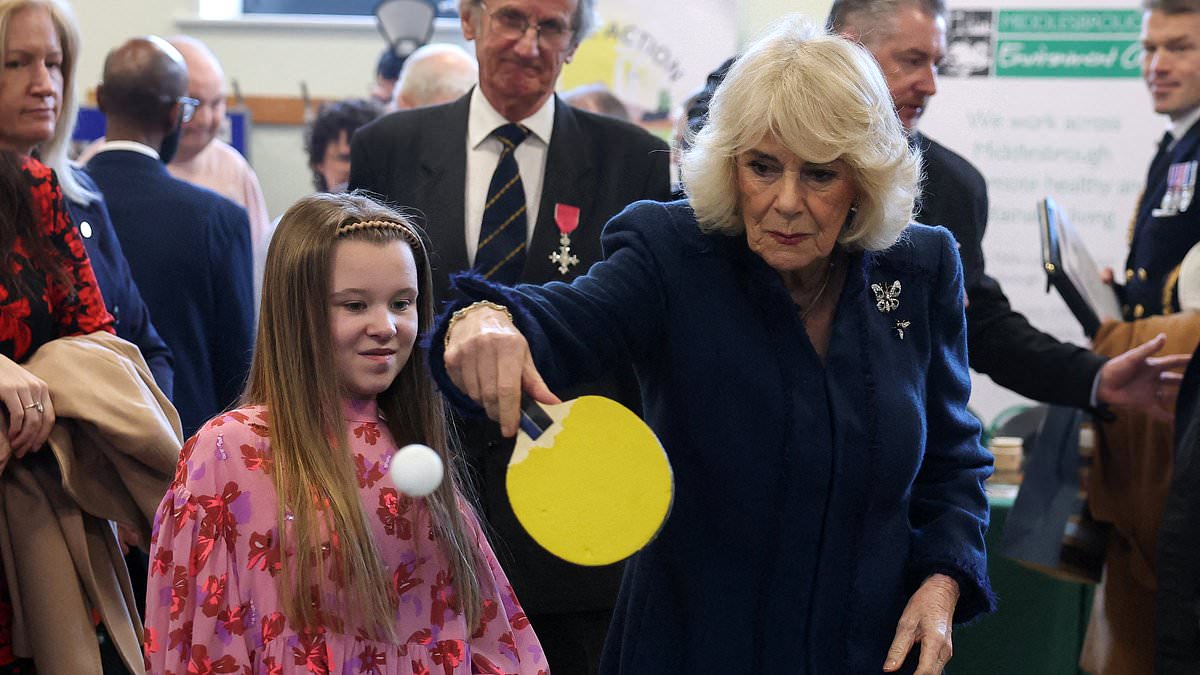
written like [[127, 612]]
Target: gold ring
[[36, 405]]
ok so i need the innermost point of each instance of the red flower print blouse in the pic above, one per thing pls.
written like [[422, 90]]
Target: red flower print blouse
[[47, 311], [212, 605]]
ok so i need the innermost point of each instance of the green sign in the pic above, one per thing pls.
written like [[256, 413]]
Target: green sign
[[1104, 22], [1068, 43]]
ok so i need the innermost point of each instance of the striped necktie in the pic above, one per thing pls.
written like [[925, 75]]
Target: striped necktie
[[501, 253]]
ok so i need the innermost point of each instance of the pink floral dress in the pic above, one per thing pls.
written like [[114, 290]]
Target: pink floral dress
[[212, 604]]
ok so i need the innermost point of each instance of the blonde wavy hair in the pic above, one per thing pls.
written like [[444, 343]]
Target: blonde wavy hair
[[824, 98], [294, 376]]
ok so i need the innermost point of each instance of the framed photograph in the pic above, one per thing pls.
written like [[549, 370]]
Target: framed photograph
[[1072, 271]]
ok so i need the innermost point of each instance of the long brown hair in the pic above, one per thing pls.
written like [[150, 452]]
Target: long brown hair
[[293, 375]]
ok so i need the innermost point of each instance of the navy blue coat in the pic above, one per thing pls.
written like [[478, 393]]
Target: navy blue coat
[[189, 251], [811, 500], [1002, 343], [130, 316], [1162, 236]]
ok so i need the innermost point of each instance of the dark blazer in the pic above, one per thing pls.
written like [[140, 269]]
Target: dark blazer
[[417, 159], [1177, 605], [189, 251], [1159, 242], [130, 316], [1002, 343], [811, 499]]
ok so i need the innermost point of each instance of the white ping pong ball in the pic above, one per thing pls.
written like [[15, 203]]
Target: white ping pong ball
[[417, 470]]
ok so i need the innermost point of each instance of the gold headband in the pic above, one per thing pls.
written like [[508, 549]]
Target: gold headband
[[405, 232]]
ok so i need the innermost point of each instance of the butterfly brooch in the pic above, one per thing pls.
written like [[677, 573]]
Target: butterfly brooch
[[887, 298]]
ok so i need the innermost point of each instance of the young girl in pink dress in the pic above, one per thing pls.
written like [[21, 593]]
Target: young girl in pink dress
[[364, 579]]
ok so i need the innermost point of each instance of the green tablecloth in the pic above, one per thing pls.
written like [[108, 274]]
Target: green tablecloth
[[1039, 626]]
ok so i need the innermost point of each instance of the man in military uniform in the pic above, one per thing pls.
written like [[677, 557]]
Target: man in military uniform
[[1167, 225]]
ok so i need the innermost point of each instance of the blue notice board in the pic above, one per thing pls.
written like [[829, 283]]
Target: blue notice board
[[90, 125]]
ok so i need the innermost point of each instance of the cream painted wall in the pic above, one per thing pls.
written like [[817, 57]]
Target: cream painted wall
[[756, 15], [335, 61]]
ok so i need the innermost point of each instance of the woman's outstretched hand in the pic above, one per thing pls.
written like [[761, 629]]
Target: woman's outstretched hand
[[30, 411], [927, 619], [489, 360]]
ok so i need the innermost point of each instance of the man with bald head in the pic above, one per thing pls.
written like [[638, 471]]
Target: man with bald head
[[435, 74], [188, 247], [204, 159]]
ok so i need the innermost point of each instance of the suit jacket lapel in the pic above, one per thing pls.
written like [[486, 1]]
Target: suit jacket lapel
[[440, 182], [569, 165], [1185, 149]]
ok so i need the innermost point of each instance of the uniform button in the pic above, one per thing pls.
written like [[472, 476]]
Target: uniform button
[[1129, 275], [1142, 274], [1138, 311]]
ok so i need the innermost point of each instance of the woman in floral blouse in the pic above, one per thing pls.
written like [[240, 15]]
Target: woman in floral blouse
[[47, 290], [363, 578]]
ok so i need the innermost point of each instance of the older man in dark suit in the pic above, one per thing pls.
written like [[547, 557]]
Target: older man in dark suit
[[188, 248], [515, 184]]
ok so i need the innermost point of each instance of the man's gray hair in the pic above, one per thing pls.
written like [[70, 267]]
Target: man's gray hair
[[1172, 6], [583, 23], [869, 19]]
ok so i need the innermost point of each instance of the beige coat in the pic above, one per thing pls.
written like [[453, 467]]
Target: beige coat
[[1130, 478], [112, 454]]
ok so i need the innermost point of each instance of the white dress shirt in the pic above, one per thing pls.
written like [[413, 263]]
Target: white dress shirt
[[483, 154], [132, 146], [1180, 127]]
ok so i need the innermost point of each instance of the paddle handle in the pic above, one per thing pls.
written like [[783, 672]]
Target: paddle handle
[[534, 420]]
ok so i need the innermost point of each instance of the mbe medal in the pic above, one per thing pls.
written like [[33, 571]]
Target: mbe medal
[[566, 217]]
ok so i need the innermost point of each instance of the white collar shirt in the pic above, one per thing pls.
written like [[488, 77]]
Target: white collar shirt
[[132, 146], [1180, 127], [483, 155]]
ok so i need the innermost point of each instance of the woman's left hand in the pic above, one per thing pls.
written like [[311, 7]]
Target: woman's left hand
[[927, 619], [30, 410]]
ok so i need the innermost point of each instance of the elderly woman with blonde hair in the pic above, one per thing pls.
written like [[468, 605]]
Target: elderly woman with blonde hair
[[801, 351]]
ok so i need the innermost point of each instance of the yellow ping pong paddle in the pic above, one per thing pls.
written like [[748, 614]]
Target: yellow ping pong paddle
[[588, 480]]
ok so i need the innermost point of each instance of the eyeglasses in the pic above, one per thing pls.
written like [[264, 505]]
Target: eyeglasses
[[513, 25], [187, 108]]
